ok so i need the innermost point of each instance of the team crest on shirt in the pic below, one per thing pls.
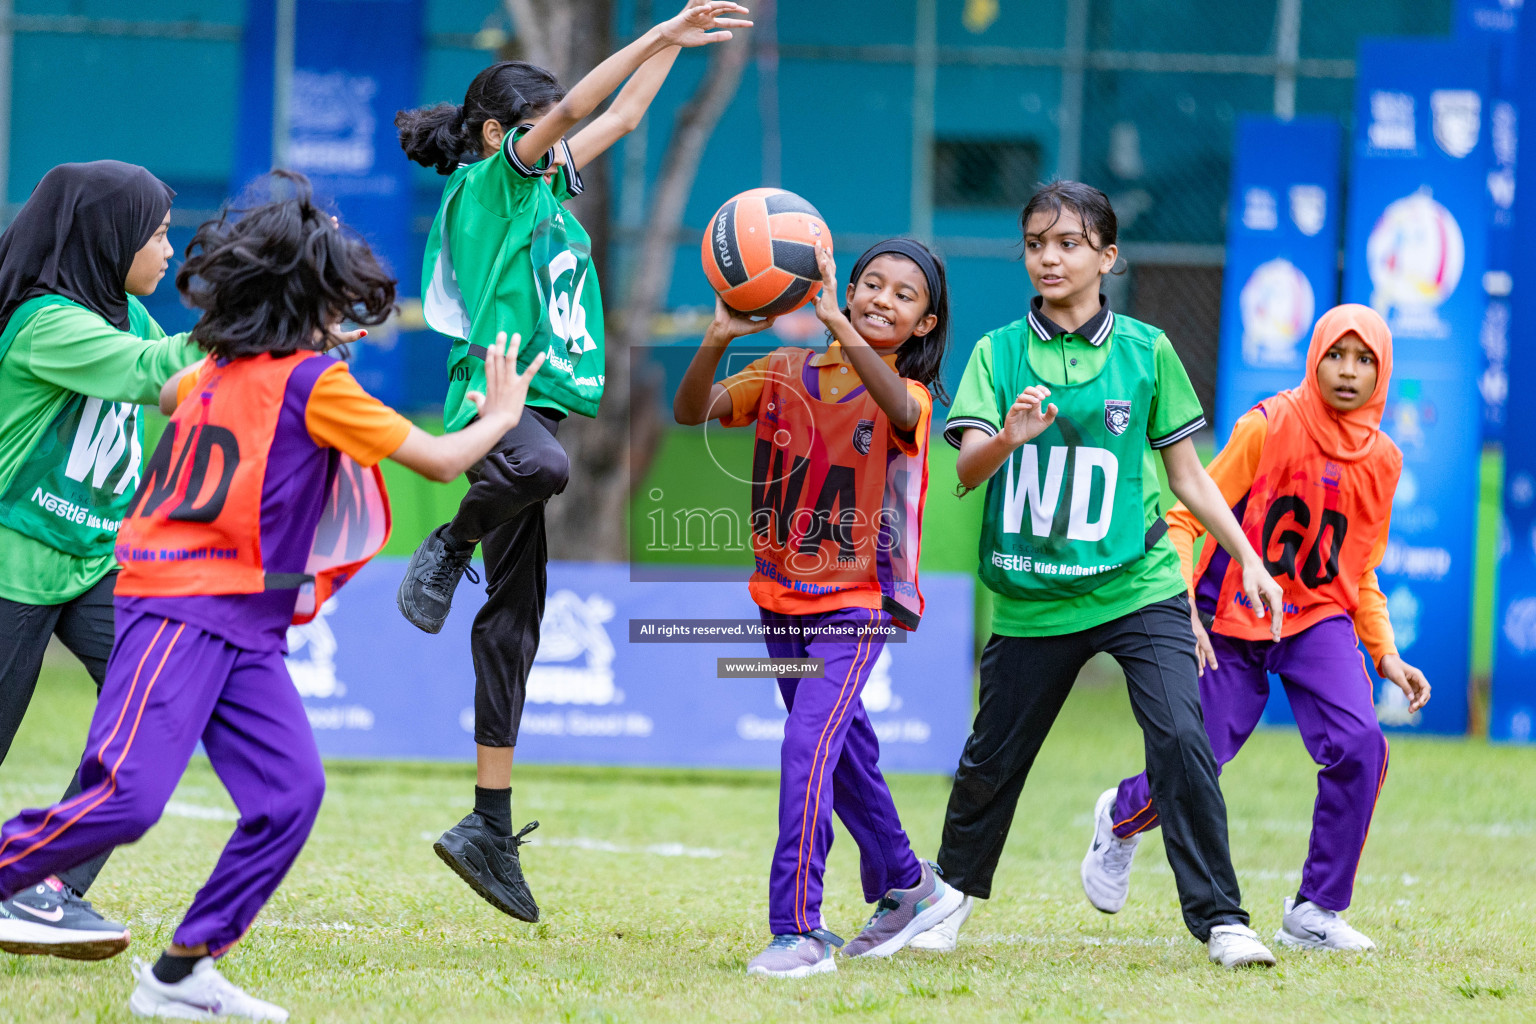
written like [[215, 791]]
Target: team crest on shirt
[[1117, 415], [863, 436]]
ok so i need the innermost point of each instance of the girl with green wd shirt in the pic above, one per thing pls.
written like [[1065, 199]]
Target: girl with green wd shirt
[[1059, 414], [78, 354], [505, 256]]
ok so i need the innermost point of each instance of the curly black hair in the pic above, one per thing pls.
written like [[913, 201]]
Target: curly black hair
[[277, 277]]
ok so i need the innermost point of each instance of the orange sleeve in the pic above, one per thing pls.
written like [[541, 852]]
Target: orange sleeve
[[343, 416], [188, 382], [746, 390], [1233, 470], [1372, 625], [911, 442]]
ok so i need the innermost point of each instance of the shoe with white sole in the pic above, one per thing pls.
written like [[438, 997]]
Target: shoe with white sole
[[205, 994], [50, 920], [1237, 945], [796, 955], [942, 937], [1308, 926], [904, 914], [1106, 870]]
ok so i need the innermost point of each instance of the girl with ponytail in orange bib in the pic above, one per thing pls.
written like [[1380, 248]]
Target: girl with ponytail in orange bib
[[1310, 475]]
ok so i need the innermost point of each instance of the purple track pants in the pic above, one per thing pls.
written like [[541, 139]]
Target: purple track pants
[[168, 685], [828, 762], [1330, 694]]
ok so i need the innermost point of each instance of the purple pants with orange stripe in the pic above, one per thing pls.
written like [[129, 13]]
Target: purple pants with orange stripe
[[168, 685], [1331, 697], [828, 762]]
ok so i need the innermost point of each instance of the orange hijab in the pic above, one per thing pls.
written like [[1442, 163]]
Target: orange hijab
[[1344, 435]]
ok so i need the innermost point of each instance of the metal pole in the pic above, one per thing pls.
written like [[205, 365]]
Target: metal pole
[[7, 46], [282, 80], [1069, 159], [924, 83], [1287, 52]]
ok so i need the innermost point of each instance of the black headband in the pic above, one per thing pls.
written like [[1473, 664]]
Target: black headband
[[914, 251]]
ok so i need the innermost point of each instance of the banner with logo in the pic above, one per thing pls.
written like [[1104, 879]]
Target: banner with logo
[[1417, 245], [1512, 715], [355, 63], [627, 673], [1282, 257], [1495, 22]]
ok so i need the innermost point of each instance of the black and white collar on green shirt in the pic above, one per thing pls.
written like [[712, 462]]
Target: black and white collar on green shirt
[[1095, 330]]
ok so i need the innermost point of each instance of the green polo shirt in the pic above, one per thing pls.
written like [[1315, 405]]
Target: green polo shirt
[[1074, 357]]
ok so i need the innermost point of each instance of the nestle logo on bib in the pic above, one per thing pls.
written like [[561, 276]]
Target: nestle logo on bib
[[1117, 415]]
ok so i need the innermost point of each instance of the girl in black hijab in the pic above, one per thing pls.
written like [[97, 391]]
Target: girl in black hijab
[[78, 354]]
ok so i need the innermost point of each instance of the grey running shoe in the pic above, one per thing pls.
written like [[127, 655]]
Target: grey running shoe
[[426, 594], [796, 955], [903, 914], [490, 865], [50, 920]]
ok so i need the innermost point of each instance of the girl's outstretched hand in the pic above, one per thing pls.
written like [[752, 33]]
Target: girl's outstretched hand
[[827, 309], [505, 389], [729, 325], [1029, 415], [703, 22]]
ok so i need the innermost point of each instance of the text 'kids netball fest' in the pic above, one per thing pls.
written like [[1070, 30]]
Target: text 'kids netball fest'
[[759, 510]]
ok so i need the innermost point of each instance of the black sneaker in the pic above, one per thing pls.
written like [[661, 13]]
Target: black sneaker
[[50, 920], [489, 864], [426, 594]]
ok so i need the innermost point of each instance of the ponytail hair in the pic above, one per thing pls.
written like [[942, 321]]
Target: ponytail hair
[[510, 92]]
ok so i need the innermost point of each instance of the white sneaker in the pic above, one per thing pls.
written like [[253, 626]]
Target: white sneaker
[[1236, 945], [941, 938], [1106, 871], [1308, 926], [204, 994]]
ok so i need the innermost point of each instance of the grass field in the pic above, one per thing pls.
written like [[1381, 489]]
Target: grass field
[[653, 886]]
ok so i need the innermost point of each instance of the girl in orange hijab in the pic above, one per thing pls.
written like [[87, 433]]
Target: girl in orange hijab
[[1310, 476]]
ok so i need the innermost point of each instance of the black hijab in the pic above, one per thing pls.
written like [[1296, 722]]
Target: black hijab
[[77, 234]]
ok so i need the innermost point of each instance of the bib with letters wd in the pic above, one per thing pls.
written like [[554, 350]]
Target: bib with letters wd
[[837, 508], [1064, 513], [77, 480], [1313, 519], [195, 526]]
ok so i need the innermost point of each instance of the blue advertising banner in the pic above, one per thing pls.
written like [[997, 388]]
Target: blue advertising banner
[[1512, 716], [605, 689], [1282, 257], [355, 63], [1495, 22], [1417, 243]]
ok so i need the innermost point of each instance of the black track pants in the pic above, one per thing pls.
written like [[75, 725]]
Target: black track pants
[[1025, 681], [504, 511]]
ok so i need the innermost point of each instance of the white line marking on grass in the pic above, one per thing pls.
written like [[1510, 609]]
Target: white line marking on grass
[[1014, 939], [179, 809], [604, 846]]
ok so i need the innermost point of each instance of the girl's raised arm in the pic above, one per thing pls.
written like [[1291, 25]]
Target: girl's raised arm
[[624, 113], [885, 385], [700, 23]]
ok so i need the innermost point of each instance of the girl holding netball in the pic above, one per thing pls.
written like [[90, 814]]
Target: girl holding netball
[[1060, 414], [839, 477], [254, 506], [1311, 476], [505, 256]]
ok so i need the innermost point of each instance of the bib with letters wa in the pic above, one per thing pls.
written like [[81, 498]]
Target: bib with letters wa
[[1064, 513], [837, 507], [71, 491], [1314, 521], [194, 527]]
